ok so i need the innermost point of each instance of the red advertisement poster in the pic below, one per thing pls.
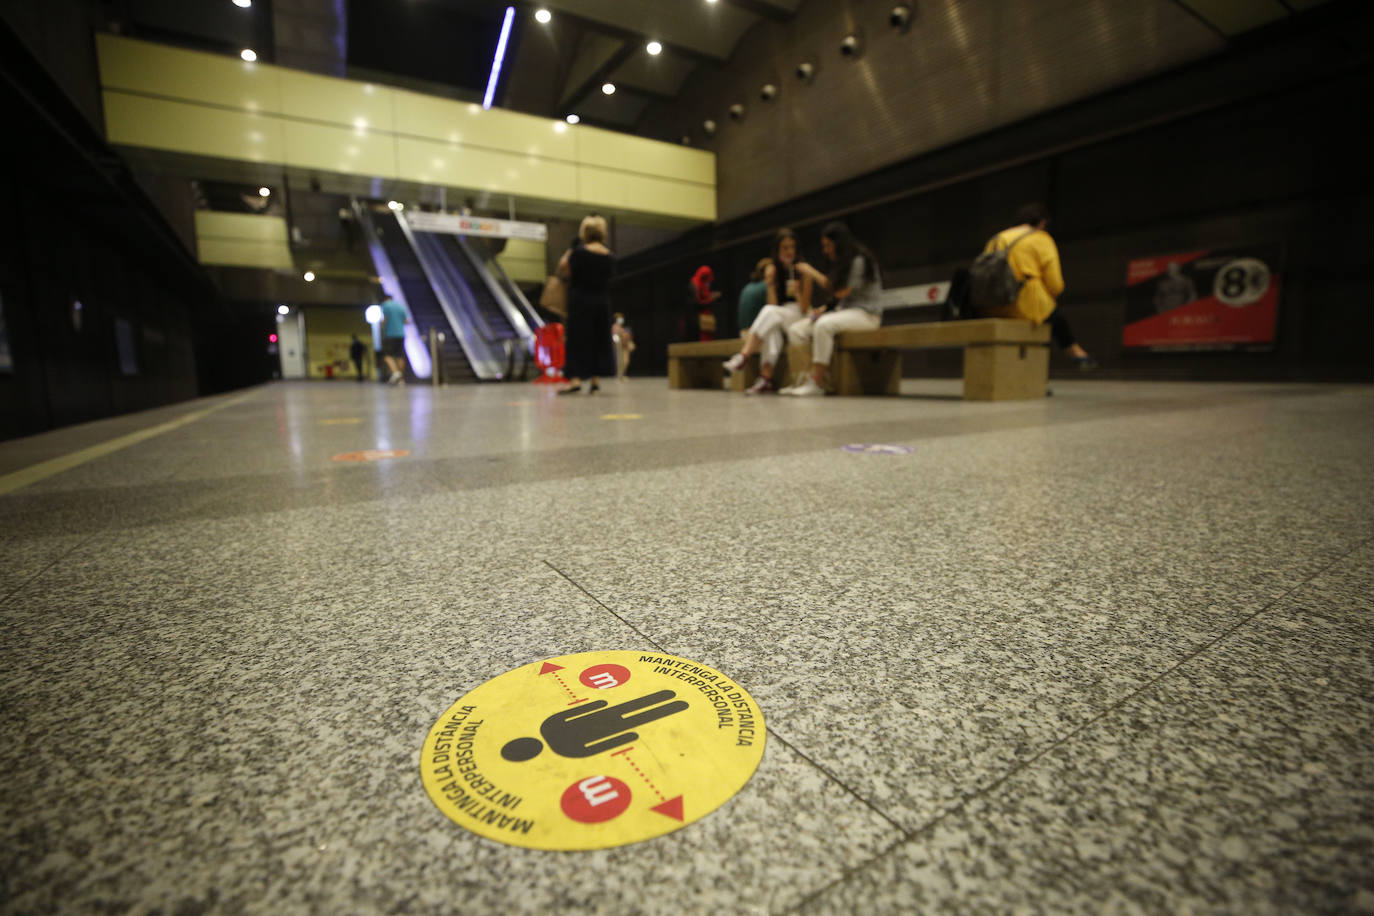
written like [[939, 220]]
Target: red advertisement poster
[[1203, 300]]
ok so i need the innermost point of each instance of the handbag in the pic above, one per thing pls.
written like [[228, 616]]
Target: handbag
[[555, 296]]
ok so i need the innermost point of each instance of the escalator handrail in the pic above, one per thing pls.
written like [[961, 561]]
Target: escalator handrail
[[457, 287], [517, 320], [483, 365], [527, 311]]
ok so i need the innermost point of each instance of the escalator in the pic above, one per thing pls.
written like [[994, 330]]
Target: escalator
[[483, 253], [420, 296], [487, 323], [485, 300]]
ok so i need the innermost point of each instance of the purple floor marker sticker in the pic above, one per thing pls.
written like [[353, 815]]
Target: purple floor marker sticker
[[874, 448]]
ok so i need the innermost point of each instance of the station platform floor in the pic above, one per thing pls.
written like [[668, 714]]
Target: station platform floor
[[1109, 652]]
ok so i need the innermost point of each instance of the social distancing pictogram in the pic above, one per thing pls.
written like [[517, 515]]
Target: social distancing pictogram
[[592, 750]]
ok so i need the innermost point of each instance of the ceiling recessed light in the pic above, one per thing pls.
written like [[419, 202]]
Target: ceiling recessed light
[[573, 119], [243, 4], [608, 88], [654, 48], [543, 17], [395, 205], [283, 310], [248, 54], [264, 192], [309, 276]]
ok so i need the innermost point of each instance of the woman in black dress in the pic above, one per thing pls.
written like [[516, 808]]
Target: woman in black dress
[[587, 342]]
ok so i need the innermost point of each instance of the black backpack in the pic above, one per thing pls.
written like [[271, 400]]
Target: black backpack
[[957, 304], [992, 284]]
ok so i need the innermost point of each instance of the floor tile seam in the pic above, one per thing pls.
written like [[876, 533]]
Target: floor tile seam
[[18, 589], [929, 826], [771, 731]]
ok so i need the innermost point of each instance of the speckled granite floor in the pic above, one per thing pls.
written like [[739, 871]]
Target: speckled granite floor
[[1108, 652]]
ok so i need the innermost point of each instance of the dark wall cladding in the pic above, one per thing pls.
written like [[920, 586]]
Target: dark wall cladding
[[963, 68], [149, 328], [1278, 164]]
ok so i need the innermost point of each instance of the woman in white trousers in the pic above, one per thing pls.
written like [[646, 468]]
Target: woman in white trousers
[[790, 281], [855, 284]]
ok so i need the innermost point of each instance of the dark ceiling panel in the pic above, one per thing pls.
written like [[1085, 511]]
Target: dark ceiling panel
[[432, 42], [594, 51], [662, 75], [712, 29], [621, 110]]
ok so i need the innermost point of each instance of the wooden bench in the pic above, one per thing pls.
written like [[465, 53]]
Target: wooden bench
[[1004, 358]]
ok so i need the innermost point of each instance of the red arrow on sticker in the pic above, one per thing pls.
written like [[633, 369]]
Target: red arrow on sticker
[[672, 808], [550, 666]]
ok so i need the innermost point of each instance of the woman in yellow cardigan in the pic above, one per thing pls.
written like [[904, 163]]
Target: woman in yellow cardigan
[[1034, 258]]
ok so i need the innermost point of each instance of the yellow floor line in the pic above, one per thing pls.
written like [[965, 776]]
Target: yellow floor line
[[45, 469]]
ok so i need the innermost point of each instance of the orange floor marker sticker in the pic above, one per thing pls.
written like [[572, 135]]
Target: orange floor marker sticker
[[622, 416], [592, 750], [372, 454]]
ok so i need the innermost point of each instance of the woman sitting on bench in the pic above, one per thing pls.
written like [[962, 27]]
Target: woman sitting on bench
[[855, 283], [789, 295]]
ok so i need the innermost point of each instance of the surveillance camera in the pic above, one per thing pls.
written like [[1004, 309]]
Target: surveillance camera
[[850, 47], [709, 126], [806, 71], [900, 17], [768, 92], [737, 112]]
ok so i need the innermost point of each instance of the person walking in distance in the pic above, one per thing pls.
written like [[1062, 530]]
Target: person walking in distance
[[1034, 259], [356, 352], [588, 344], [394, 320], [855, 284], [789, 282], [624, 345]]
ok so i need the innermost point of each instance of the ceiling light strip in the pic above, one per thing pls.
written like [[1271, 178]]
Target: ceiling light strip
[[500, 56]]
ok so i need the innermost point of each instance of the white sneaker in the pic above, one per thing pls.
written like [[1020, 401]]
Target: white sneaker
[[807, 389], [735, 363], [395, 379]]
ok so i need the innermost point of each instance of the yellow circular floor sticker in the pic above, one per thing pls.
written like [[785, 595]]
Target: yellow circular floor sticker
[[592, 750], [622, 416]]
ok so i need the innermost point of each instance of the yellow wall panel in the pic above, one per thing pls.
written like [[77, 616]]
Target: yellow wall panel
[[646, 194], [663, 195], [609, 150], [523, 270], [246, 226], [141, 66], [340, 149], [244, 253], [600, 187], [328, 338], [345, 102], [524, 260], [465, 122], [525, 248], [485, 170], [408, 136], [159, 124]]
